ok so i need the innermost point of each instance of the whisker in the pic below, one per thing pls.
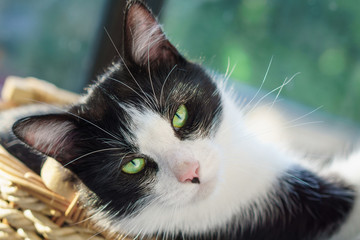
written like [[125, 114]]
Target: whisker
[[167, 77], [111, 142], [124, 237], [227, 78], [122, 59], [254, 107], [173, 103], [269, 104], [277, 95], [282, 86], [157, 235], [286, 124], [284, 127], [96, 234], [92, 216], [305, 115], [122, 159], [228, 67], [72, 114], [136, 237], [124, 84], [167, 106], [151, 82], [263, 81], [303, 124], [263, 97], [87, 154]]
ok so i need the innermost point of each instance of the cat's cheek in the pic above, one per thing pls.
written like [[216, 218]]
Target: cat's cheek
[[211, 175], [211, 162], [170, 192]]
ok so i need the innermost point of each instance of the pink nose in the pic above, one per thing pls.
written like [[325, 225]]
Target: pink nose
[[189, 172]]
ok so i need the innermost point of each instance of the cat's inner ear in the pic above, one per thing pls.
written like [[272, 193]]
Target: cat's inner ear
[[53, 135], [144, 41]]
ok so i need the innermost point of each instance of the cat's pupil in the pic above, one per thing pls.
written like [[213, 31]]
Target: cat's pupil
[[180, 117], [134, 166]]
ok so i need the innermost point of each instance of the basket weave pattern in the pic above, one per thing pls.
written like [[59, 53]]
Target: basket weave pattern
[[31, 211], [28, 209]]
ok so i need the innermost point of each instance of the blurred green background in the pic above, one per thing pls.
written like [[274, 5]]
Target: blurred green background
[[319, 39], [53, 40]]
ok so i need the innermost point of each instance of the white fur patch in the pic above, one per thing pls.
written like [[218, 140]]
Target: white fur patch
[[235, 170]]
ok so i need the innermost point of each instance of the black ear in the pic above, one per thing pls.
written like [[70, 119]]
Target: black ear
[[54, 135], [144, 40]]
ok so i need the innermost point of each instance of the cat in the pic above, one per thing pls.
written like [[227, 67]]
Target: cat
[[162, 150]]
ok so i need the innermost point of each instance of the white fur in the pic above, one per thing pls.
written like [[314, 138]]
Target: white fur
[[235, 170]]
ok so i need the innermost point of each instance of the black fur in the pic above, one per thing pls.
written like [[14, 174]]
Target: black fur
[[307, 207]]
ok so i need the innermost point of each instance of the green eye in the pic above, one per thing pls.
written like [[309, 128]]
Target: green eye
[[180, 117], [134, 166]]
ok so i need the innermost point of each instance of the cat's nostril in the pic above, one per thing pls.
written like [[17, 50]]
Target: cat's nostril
[[195, 180], [189, 173]]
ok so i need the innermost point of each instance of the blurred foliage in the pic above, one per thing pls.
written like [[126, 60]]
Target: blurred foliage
[[51, 39], [320, 39], [54, 39]]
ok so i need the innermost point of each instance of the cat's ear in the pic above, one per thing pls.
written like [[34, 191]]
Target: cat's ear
[[144, 40], [53, 135]]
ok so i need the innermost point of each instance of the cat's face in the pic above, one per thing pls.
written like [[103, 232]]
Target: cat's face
[[166, 122], [144, 135]]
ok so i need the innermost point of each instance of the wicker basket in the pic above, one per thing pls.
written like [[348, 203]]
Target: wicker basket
[[28, 209]]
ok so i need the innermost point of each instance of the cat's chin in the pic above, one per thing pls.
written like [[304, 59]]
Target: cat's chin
[[200, 193], [206, 189], [191, 194]]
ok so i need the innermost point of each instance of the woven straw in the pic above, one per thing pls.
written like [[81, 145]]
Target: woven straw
[[28, 209]]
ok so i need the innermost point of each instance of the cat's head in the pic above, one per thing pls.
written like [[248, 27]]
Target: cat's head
[[143, 137]]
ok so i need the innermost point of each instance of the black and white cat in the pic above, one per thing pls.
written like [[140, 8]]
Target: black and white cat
[[162, 150]]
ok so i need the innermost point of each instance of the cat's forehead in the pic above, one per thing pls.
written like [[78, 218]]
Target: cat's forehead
[[181, 81], [161, 93], [149, 127]]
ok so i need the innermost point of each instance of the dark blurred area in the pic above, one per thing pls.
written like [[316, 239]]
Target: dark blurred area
[[51, 40]]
